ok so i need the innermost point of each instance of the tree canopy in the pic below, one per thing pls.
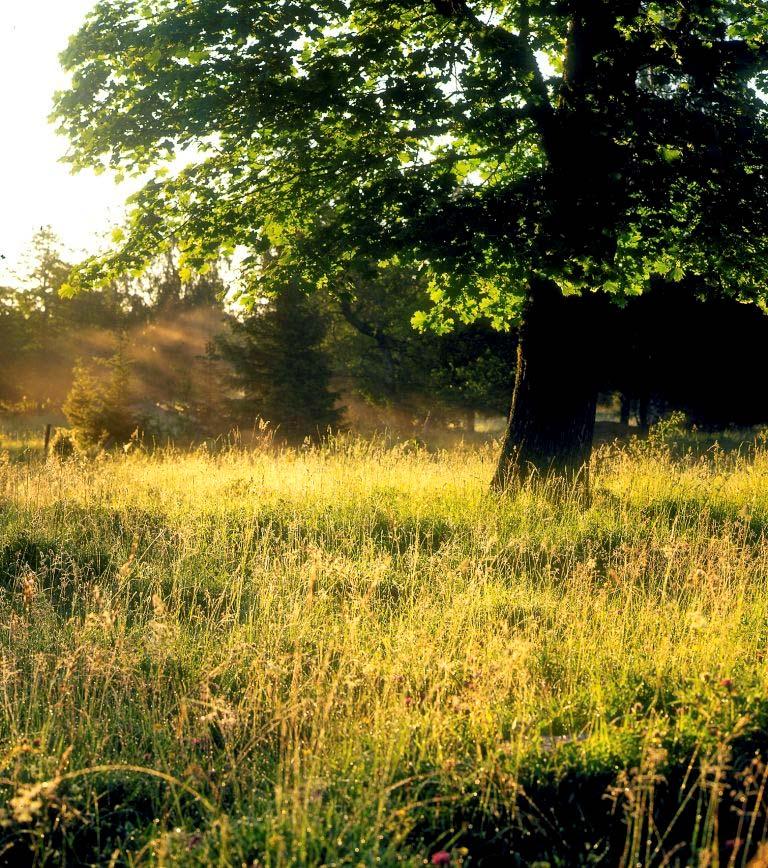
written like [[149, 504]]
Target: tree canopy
[[592, 144]]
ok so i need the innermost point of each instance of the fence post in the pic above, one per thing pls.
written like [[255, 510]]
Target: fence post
[[47, 441]]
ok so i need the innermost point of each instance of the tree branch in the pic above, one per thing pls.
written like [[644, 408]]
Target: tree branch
[[386, 343], [518, 53]]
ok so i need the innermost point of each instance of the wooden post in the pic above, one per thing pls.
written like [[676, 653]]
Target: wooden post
[[47, 441]]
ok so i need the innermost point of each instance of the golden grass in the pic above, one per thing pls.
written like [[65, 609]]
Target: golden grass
[[357, 655]]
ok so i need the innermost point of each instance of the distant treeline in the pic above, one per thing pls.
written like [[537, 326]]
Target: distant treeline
[[193, 363], [199, 365]]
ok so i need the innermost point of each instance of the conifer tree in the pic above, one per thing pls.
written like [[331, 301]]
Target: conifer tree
[[98, 406], [279, 371]]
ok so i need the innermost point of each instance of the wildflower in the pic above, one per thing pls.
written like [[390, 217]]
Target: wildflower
[[25, 809], [698, 621], [194, 771], [28, 802], [727, 683], [159, 636], [194, 840], [442, 857]]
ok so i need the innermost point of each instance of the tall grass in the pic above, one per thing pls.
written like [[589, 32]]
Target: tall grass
[[357, 655]]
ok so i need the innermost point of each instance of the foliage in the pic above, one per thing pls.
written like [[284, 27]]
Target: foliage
[[169, 316], [99, 405], [279, 371], [41, 332], [691, 349], [352, 653], [378, 356], [12, 340], [593, 145]]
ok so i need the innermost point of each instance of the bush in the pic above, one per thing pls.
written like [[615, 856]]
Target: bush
[[62, 444], [169, 423]]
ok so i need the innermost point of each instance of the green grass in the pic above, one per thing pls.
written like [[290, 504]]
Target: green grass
[[358, 656]]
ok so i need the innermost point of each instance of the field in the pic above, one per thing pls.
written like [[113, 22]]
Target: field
[[356, 655]]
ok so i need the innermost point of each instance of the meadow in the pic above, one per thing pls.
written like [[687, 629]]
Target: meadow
[[357, 655]]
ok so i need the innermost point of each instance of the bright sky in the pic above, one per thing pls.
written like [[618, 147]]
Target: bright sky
[[36, 189]]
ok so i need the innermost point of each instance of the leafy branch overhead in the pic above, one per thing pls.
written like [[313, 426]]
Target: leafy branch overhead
[[594, 144]]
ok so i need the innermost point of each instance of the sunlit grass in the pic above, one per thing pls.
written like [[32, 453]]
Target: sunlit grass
[[23, 436], [356, 654]]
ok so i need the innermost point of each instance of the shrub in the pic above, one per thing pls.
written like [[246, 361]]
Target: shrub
[[62, 444]]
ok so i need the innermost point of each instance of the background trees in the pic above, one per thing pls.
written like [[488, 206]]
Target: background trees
[[380, 358], [296, 361], [348, 357], [100, 406], [166, 323], [688, 348]]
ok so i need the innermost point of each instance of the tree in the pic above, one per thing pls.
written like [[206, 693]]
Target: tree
[[477, 369], [99, 406], [686, 348], [51, 331], [13, 345], [279, 371], [535, 158]]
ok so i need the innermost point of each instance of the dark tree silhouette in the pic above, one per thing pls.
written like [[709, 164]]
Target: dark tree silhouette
[[279, 371]]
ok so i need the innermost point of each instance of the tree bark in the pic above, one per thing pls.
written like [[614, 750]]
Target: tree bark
[[625, 407], [643, 413], [469, 420], [552, 420]]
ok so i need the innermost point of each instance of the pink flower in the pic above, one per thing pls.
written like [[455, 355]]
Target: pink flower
[[727, 683], [442, 857]]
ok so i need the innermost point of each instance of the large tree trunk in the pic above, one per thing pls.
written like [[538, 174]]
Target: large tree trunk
[[625, 409], [552, 420], [469, 420]]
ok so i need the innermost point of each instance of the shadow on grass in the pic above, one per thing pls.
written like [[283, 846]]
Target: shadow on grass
[[671, 814]]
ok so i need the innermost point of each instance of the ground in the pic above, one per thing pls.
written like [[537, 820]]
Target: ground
[[358, 655]]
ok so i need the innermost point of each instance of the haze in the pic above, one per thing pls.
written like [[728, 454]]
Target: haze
[[37, 188]]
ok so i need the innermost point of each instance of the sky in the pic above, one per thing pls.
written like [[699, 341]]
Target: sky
[[36, 188]]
